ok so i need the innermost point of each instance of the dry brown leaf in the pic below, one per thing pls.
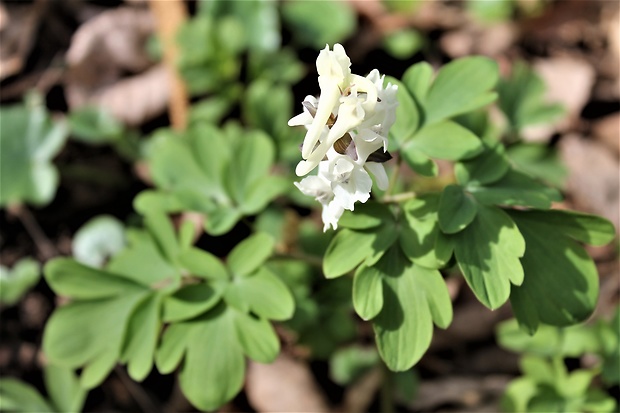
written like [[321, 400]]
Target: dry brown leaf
[[19, 24], [593, 180], [136, 99], [607, 130], [360, 394], [286, 385], [102, 51]]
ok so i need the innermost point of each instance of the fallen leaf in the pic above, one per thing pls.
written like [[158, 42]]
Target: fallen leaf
[[286, 385]]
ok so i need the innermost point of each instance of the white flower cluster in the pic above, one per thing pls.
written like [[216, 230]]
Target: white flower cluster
[[347, 128]]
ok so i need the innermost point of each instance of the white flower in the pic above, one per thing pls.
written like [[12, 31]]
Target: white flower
[[320, 188], [355, 111], [349, 181]]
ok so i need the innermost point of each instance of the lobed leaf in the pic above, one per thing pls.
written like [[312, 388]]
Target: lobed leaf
[[420, 236], [488, 253], [250, 253], [413, 297], [561, 283]]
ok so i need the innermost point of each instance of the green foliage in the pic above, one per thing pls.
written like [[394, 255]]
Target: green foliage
[[29, 140], [223, 174], [423, 128], [65, 393], [490, 11], [546, 384], [521, 98], [94, 126], [15, 282], [403, 44], [350, 363], [318, 23], [217, 313]]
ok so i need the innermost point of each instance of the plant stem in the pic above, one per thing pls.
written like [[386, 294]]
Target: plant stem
[[394, 177], [43, 243], [398, 197], [146, 403], [386, 399]]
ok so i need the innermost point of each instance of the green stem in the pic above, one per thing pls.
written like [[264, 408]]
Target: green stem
[[387, 399], [405, 196], [394, 177]]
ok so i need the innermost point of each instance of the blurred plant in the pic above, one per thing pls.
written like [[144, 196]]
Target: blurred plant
[[64, 391], [521, 101], [546, 384], [15, 282], [29, 141]]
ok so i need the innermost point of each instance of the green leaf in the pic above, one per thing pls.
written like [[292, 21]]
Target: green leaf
[[172, 347], [515, 188], [348, 364], [29, 141], [347, 250], [413, 297], [488, 253], [72, 279], [142, 262], [190, 301], [407, 114], [263, 192], [250, 253], [461, 86], [540, 161], [368, 215], [141, 337], [64, 389], [586, 228], [367, 292], [89, 334], [490, 166], [213, 370], [518, 394], [263, 293], [561, 281], [17, 396], [203, 264], [163, 234], [418, 79], [445, 140], [318, 23], [521, 98], [101, 237], [420, 235], [257, 338], [14, 283], [418, 161], [94, 125], [253, 158], [403, 44], [222, 220], [457, 209]]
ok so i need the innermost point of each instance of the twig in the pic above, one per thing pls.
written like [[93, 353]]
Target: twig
[[137, 392], [169, 16], [389, 199], [43, 243]]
